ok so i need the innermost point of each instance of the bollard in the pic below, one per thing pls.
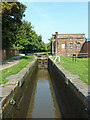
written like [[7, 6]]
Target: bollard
[[55, 59]]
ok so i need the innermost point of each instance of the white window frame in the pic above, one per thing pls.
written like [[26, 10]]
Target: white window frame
[[63, 45]]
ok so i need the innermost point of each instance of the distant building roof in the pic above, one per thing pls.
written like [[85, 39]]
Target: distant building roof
[[70, 34]]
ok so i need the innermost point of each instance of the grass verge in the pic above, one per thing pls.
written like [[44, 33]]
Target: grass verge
[[24, 61], [80, 67]]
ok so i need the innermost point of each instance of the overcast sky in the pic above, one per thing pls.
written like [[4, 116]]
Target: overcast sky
[[62, 17]]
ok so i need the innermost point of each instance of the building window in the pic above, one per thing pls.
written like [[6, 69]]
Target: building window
[[57, 44], [71, 46], [63, 45], [54, 46], [78, 45], [58, 36], [70, 37]]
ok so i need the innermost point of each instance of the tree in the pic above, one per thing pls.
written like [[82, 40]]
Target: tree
[[17, 33], [12, 14], [49, 45], [23, 35], [27, 40]]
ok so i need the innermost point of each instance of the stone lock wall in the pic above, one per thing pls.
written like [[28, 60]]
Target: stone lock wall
[[66, 94], [21, 94]]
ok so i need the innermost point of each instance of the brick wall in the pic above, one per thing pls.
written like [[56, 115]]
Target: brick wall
[[16, 52], [12, 52], [3, 53], [63, 42], [86, 48]]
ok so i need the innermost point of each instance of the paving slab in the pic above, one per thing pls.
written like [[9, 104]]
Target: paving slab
[[4, 91]]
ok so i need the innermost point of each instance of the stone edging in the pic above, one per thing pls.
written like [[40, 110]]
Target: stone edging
[[73, 81], [16, 81]]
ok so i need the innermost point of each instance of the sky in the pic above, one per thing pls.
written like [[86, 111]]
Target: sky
[[62, 17]]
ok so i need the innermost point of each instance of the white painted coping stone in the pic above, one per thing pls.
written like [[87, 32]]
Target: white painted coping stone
[[22, 54]]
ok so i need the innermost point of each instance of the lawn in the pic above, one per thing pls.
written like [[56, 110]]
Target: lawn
[[24, 61], [80, 67]]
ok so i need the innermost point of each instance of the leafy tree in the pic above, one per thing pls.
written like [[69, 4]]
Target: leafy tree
[[43, 47], [23, 35], [27, 40], [12, 14], [49, 45], [33, 41], [17, 33]]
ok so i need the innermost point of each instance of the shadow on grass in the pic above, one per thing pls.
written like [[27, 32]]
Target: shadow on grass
[[25, 57]]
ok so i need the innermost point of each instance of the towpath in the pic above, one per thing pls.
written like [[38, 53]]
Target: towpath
[[10, 62]]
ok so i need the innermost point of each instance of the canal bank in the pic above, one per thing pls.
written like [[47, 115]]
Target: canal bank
[[41, 95], [15, 104], [72, 103]]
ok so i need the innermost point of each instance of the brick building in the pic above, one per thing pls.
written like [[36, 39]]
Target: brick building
[[4, 53], [86, 48], [67, 44]]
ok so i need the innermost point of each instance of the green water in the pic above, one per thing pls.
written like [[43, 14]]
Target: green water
[[43, 103]]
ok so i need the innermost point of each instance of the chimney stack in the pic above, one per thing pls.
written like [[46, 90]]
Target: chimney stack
[[56, 33]]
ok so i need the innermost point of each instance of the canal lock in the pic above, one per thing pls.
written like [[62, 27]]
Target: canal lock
[[45, 95]]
